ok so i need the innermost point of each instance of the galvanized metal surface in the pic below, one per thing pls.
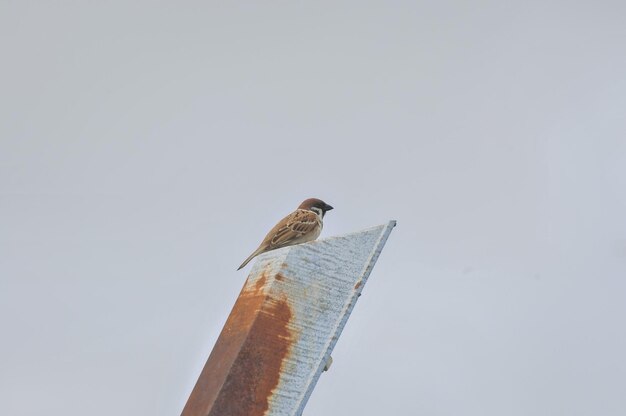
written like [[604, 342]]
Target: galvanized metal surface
[[284, 325]]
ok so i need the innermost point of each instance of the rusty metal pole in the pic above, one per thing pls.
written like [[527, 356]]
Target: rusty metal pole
[[284, 325]]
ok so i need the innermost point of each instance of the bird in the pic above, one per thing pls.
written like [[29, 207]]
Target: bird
[[301, 226]]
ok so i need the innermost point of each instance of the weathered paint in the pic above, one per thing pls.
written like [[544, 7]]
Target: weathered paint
[[283, 327], [246, 361]]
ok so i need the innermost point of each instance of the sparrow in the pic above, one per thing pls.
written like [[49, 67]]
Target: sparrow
[[301, 226]]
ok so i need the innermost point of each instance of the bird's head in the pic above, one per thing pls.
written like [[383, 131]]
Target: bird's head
[[316, 205]]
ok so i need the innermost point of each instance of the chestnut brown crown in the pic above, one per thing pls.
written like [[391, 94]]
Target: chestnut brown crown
[[315, 205]]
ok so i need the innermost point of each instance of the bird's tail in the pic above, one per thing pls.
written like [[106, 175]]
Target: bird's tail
[[253, 255]]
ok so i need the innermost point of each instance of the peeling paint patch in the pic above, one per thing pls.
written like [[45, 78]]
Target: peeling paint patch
[[260, 284], [246, 363], [256, 372]]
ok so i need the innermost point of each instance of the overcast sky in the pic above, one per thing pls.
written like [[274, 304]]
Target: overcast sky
[[147, 147]]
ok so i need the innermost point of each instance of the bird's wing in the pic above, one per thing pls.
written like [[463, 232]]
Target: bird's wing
[[293, 228]]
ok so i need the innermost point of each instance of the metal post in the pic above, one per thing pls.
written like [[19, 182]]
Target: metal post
[[284, 325]]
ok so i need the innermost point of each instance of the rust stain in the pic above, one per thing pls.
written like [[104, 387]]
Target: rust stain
[[357, 285], [260, 284], [246, 362], [279, 277]]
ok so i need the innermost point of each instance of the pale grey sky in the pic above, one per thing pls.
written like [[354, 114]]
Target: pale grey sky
[[146, 148]]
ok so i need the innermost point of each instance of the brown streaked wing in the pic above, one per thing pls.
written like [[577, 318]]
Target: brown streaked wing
[[293, 227]]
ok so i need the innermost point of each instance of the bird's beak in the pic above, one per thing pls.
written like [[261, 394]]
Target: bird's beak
[[328, 207]]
